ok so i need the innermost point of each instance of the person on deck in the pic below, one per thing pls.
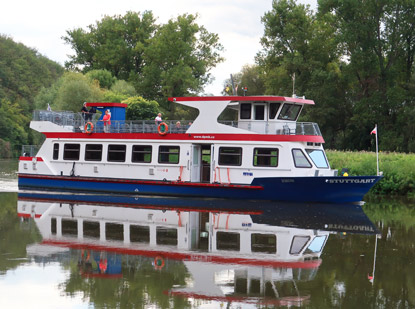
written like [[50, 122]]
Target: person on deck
[[107, 121], [84, 111], [158, 119], [92, 112]]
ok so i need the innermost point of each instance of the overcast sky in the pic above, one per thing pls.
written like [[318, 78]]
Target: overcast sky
[[41, 24]]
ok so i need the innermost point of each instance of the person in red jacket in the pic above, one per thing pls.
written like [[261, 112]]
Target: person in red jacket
[[107, 121]]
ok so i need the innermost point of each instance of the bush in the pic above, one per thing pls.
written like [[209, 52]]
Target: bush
[[398, 169]]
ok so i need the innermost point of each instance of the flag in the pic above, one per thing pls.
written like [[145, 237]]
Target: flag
[[374, 131]]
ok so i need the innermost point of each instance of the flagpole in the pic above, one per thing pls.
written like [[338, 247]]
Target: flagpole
[[377, 151]]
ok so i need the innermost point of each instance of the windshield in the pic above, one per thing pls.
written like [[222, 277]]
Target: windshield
[[318, 158], [289, 112], [316, 245]]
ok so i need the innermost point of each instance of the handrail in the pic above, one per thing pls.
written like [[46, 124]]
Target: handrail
[[75, 122]]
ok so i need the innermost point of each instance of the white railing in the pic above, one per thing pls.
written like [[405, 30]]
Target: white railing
[[76, 123]]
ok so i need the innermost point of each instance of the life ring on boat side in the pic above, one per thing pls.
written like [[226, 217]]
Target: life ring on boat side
[[163, 128], [89, 127], [158, 262]]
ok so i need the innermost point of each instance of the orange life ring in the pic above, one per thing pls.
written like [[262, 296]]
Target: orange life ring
[[163, 128], [89, 127], [158, 262]]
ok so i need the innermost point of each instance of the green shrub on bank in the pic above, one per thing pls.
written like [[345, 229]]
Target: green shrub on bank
[[398, 169]]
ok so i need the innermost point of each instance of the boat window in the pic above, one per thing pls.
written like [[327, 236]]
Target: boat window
[[298, 244], [300, 160], [69, 227], [71, 152], [273, 109], [91, 229], [53, 226], [93, 152], [289, 112], [169, 154], [116, 153], [227, 241], [230, 156], [265, 243], [114, 231], [166, 236], [316, 245], [55, 151], [141, 154], [246, 111], [139, 233], [266, 157], [318, 158], [259, 112]]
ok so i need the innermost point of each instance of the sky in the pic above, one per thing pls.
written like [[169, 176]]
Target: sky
[[42, 24]]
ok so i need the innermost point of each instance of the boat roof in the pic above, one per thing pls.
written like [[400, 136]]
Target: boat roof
[[244, 99]]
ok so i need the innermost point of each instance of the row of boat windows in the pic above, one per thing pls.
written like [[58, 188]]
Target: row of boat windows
[[230, 156], [228, 241], [258, 111]]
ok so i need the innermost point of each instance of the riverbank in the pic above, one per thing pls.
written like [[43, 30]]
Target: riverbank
[[398, 169]]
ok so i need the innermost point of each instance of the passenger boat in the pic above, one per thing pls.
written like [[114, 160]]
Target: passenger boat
[[256, 254], [264, 155]]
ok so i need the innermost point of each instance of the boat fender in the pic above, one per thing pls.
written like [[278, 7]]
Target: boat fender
[[158, 262], [163, 128], [89, 127]]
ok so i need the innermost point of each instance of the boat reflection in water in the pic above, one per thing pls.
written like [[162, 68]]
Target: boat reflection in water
[[243, 252]]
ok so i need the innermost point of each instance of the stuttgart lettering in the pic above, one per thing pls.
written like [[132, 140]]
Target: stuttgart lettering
[[345, 180]]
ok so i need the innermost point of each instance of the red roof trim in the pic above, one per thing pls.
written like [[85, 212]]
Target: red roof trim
[[243, 99], [189, 137]]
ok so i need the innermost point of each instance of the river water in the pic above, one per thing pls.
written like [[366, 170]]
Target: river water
[[86, 251]]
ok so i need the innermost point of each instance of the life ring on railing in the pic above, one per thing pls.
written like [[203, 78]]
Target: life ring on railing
[[158, 262], [163, 128], [89, 127]]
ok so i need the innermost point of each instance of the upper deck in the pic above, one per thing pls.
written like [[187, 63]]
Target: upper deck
[[271, 115], [74, 122]]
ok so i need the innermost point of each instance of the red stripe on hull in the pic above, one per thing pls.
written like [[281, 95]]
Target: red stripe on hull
[[202, 257], [143, 182], [40, 159], [190, 137]]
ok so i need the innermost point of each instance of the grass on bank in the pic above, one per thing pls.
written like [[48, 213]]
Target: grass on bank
[[398, 169]]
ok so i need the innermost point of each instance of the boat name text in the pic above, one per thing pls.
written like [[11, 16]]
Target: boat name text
[[369, 180]]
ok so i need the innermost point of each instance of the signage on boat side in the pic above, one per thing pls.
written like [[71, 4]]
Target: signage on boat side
[[204, 136], [355, 228], [351, 180]]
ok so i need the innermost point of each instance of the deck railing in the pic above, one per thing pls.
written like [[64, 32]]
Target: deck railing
[[75, 122]]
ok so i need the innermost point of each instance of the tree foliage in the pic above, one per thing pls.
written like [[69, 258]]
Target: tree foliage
[[173, 59], [69, 93], [139, 108], [355, 58], [23, 73]]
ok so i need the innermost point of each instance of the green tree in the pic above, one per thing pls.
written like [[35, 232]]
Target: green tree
[[178, 59], [115, 44], [141, 109], [104, 78], [301, 55], [69, 93], [13, 124], [377, 39]]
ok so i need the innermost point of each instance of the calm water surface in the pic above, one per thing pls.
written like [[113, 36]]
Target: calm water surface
[[82, 251]]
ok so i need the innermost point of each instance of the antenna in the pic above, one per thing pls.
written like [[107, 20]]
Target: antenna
[[293, 77], [233, 86]]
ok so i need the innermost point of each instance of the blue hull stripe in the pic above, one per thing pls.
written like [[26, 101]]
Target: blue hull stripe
[[294, 189]]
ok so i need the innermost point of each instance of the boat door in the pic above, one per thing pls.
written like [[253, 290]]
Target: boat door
[[195, 165]]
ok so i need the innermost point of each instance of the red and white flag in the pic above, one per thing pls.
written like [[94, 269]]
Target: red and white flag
[[374, 131]]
